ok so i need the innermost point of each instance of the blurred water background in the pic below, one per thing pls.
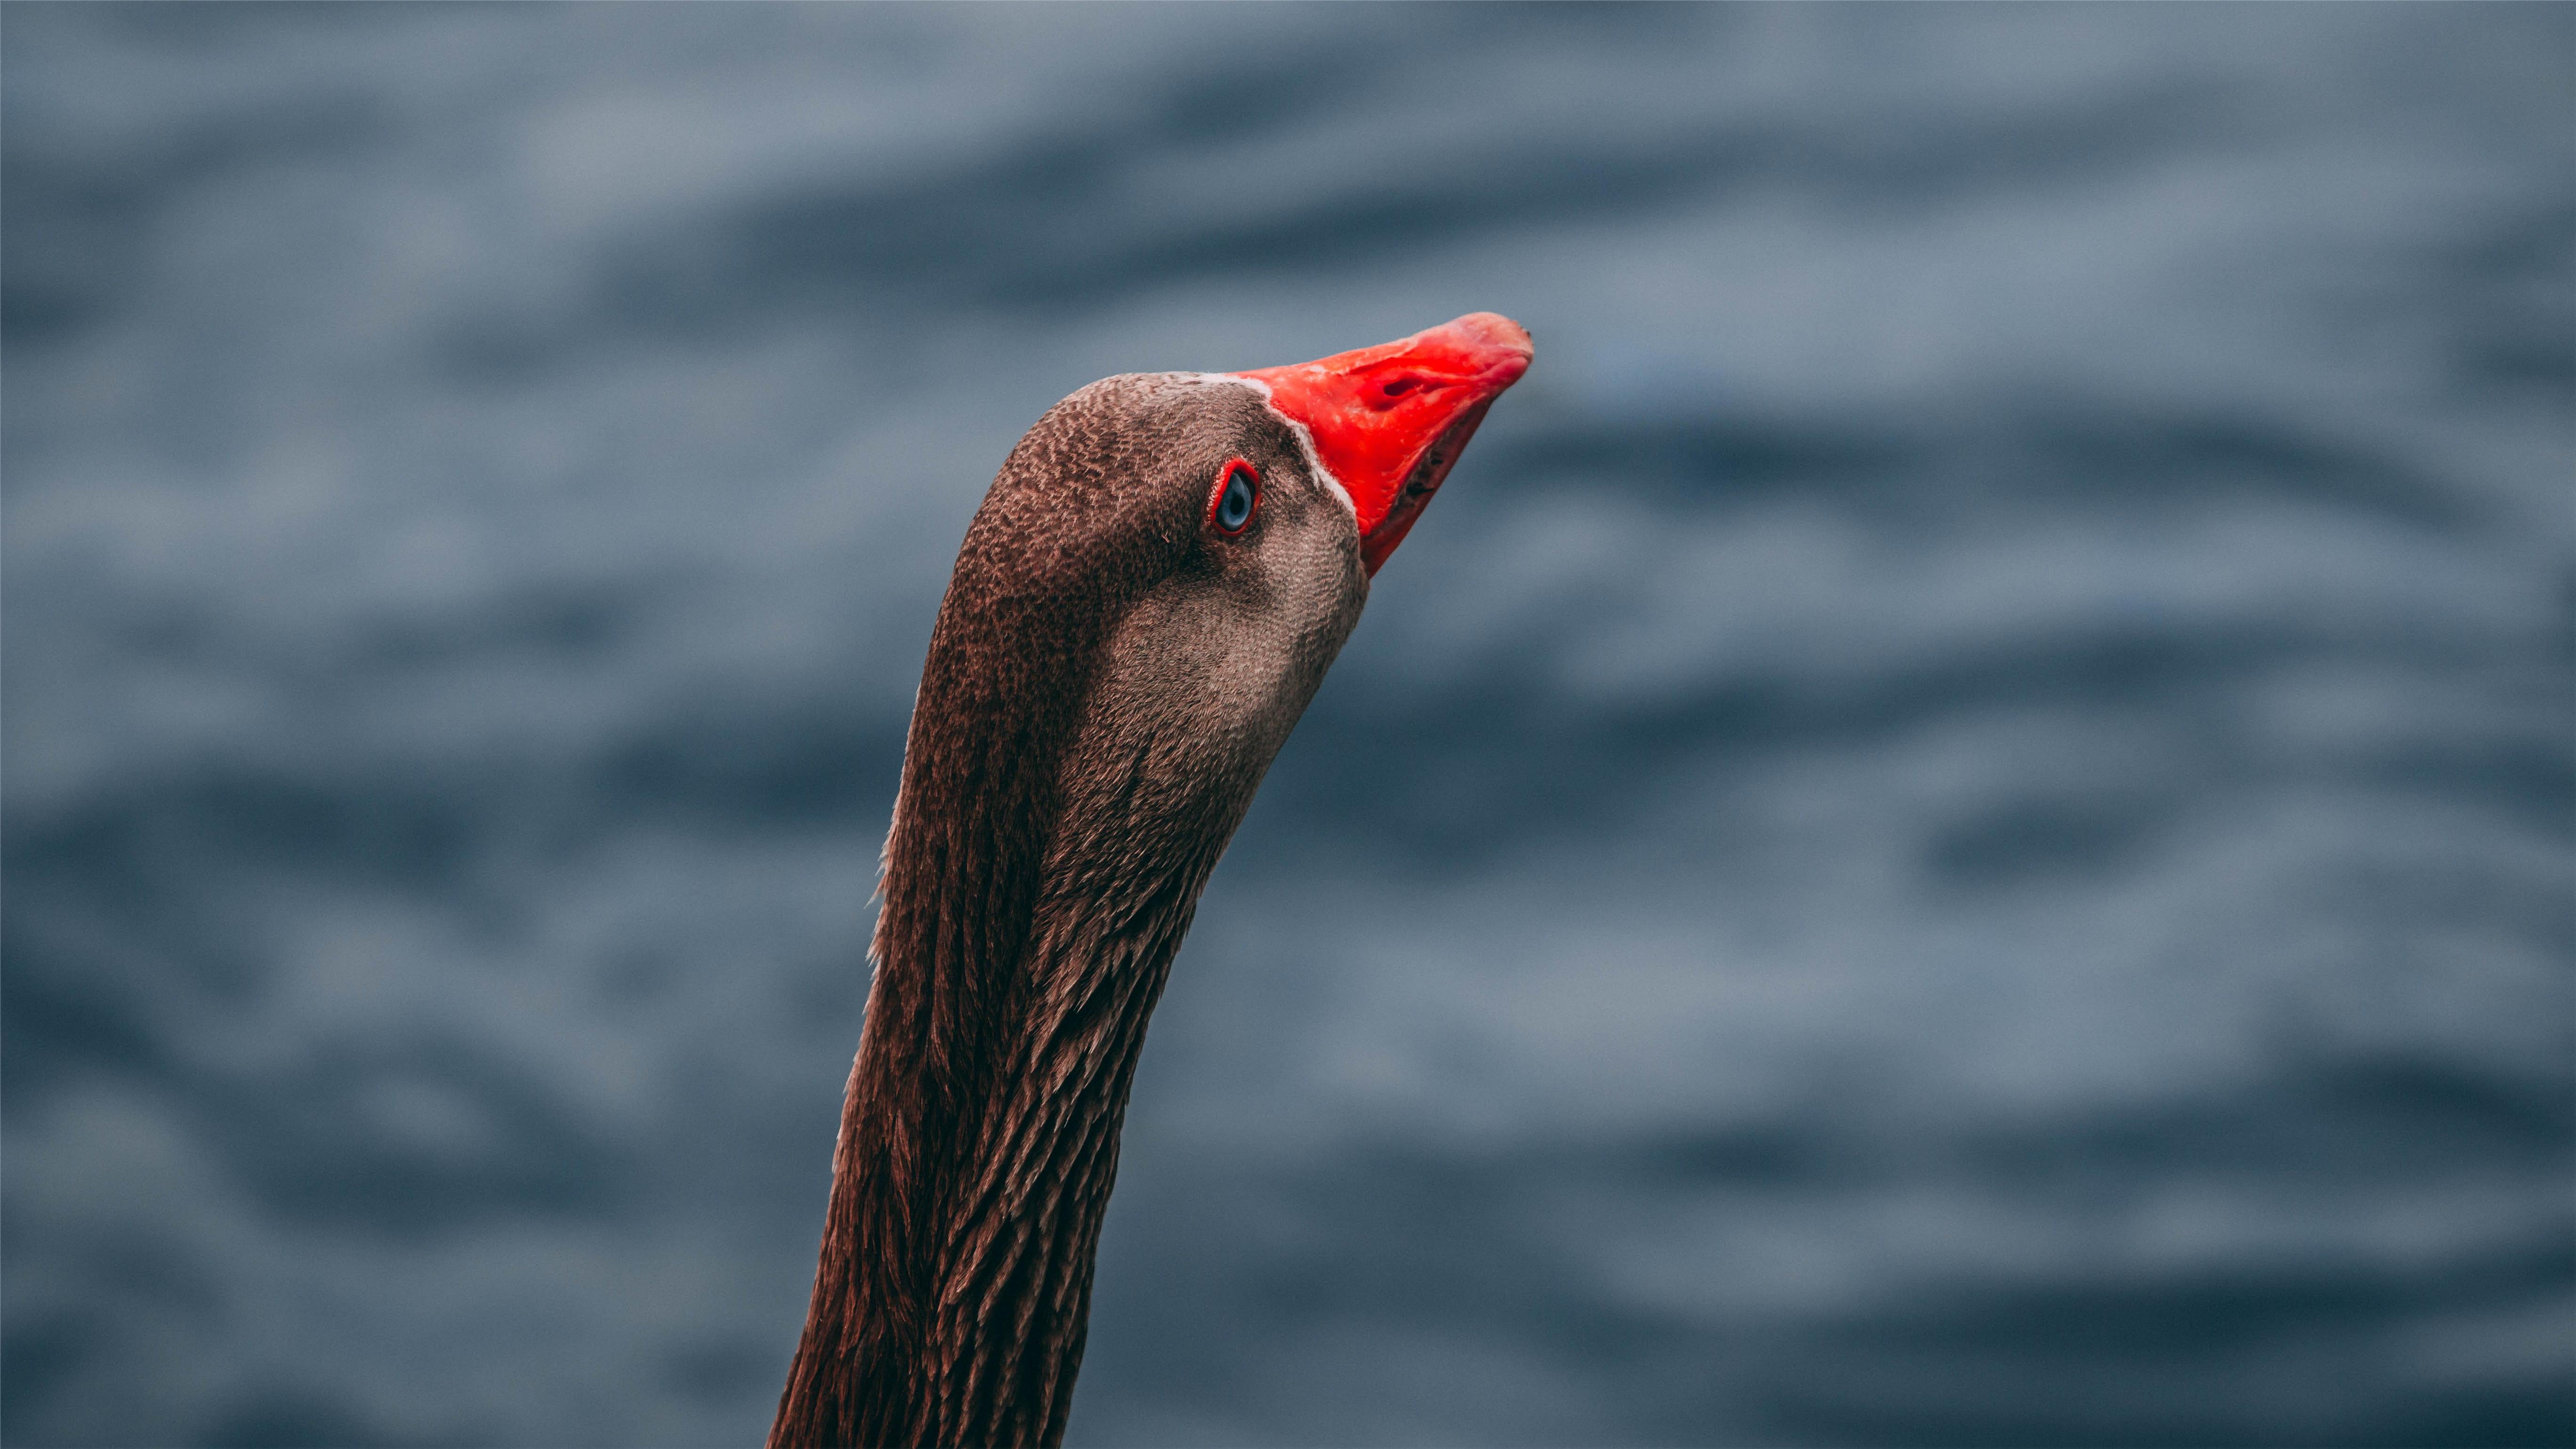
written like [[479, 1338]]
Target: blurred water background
[[1957, 831]]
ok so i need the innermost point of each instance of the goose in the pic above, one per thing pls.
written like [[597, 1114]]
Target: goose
[[1144, 604]]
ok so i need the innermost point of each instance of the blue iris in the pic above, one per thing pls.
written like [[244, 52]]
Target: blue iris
[[1234, 510]]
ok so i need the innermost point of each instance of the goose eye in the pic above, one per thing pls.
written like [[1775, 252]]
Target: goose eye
[[1238, 489]]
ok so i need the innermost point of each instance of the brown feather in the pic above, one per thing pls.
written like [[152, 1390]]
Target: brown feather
[[1086, 738]]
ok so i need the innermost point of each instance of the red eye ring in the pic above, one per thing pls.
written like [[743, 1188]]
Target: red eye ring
[[1235, 498]]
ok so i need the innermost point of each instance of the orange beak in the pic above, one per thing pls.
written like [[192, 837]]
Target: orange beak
[[1388, 421]]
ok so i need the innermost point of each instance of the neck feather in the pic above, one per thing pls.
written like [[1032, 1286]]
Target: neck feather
[[955, 1282]]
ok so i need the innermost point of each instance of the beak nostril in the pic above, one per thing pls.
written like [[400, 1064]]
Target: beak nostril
[[1399, 386]]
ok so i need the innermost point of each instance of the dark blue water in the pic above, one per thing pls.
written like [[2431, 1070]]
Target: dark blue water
[[1961, 828]]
